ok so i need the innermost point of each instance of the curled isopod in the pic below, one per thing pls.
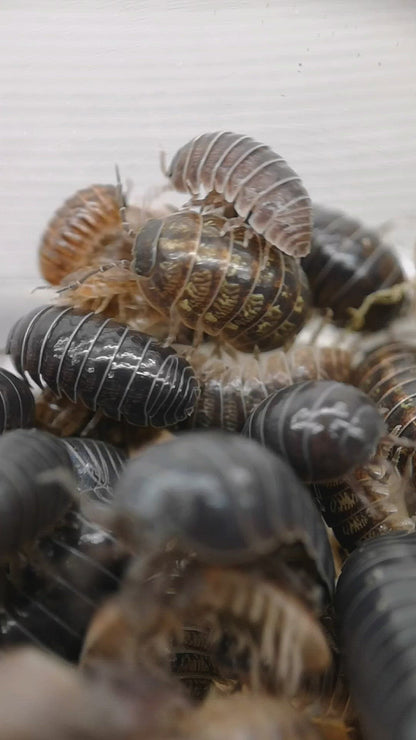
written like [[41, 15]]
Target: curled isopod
[[376, 609], [265, 192], [233, 384], [107, 366], [325, 429], [352, 272], [17, 407], [225, 285], [220, 539]]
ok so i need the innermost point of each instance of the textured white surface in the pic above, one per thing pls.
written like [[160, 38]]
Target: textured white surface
[[330, 84]]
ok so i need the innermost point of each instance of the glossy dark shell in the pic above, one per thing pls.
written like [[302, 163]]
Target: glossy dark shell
[[243, 293], [35, 488], [124, 373], [324, 429], [97, 466], [262, 187], [347, 263], [17, 405], [232, 386], [223, 497], [376, 606]]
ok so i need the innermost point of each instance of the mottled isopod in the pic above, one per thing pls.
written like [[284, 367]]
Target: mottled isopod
[[263, 189], [376, 608], [124, 373], [246, 295], [323, 428], [347, 266], [17, 405], [232, 385]]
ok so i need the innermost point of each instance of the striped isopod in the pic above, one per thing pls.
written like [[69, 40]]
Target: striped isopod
[[353, 273], [244, 294], [323, 428], [263, 189], [368, 503], [86, 230], [17, 405], [232, 385], [105, 365], [35, 488], [97, 465], [376, 609], [252, 559]]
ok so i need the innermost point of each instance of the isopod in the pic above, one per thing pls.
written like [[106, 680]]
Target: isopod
[[35, 488], [265, 192], [249, 296], [86, 230], [105, 365], [17, 405], [352, 272], [376, 609], [252, 558], [232, 385], [324, 429], [387, 375]]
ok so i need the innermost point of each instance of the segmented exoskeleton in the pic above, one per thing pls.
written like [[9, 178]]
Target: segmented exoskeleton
[[17, 405], [236, 290], [352, 272], [265, 192], [124, 373]]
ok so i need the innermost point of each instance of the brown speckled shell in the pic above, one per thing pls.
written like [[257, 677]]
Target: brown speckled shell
[[246, 294]]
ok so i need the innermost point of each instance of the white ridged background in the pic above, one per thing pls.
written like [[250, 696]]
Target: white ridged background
[[330, 84]]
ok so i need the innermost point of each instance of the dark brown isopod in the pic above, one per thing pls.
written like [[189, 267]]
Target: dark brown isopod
[[105, 365], [353, 273], [376, 609], [17, 405], [323, 428], [242, 293], [264, 190]]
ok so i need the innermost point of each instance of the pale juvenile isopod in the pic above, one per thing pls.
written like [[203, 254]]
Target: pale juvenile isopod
[[265, 192]]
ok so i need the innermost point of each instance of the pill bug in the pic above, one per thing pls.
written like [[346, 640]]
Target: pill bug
[[105, 365], [376, 608], [232, 385], [387, 375], [367, 503], [264, 190], [242, 293], [246, 716], [17, 405], [98, 466], [352, 272], [86, 230], [224, 500], [323, 428], [35, 488]]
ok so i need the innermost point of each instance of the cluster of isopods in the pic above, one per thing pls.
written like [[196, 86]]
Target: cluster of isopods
[[194, 470]]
